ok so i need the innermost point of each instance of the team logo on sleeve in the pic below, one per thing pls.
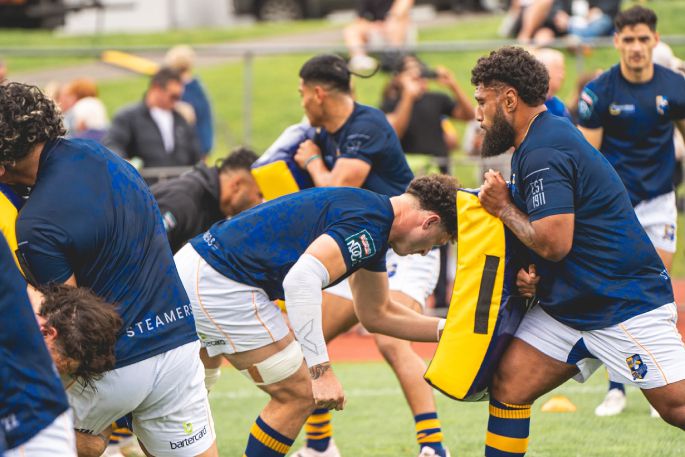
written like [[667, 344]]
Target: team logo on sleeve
[[637, 367], [661, 105], [354, 142], [586, 103], [360, 246]]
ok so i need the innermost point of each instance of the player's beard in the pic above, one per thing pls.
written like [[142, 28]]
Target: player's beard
[[498, 138]]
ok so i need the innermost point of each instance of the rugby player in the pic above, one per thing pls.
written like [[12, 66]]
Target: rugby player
[[628, 113], [290, 248], [91, 221], [34, 412], [358, 147], [605, 296]]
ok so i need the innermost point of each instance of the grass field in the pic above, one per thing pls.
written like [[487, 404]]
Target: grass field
[[377, 422]]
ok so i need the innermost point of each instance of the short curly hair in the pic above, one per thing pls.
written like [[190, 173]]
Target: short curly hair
[[634, 16], [87, 329], [438, 193], [240, 158], [27, 117], [515, 67]]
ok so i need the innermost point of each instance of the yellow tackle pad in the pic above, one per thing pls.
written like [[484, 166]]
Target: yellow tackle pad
[[275, 180], [483, 313]]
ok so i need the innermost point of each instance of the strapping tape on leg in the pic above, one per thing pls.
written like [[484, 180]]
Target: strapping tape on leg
[[277, 367]]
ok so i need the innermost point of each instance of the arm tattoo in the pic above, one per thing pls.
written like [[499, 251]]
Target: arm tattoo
[[519, 224], [318, 370]]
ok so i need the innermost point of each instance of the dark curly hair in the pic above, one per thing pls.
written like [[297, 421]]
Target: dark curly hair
[[240, 158], [328, 69], [515, 67], [438, 193], [634, 16], [27, 118], [87, 329]]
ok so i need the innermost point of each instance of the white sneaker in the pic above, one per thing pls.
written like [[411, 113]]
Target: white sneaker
[[614, 403], [362, 63], [654, 413], [428, 451], [331, 451]]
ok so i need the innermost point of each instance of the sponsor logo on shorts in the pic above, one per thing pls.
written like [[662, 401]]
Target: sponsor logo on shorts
[[86, 431], [214, 343], [191, 439], [637, 367], [669, 232], [360, 246]]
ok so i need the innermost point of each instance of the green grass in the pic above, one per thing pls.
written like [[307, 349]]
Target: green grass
[[377, 422]]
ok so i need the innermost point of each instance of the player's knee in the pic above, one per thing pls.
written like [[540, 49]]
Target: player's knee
[[674, 416], [503, 390], [394, 351]]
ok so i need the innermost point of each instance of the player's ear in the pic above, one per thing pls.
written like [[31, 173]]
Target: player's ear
[[431, 221], [510, 100]]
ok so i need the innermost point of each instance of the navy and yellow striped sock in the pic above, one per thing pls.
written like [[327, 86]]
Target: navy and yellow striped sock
[[429, 433], [617, 385], [264, 441], [121, 430], [319, 429], [508, 429]]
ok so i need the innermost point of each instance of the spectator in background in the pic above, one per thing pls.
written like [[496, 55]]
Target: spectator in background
[[416, 114], [89, 118], [152, 130], [387, 20], [181, 58], [70, 93], [553, 60], [541, 21]]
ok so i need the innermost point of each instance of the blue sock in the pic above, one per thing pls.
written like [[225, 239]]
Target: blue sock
[[617, 385], [264, 441], [429, 433], [319, 429], [508, 429]]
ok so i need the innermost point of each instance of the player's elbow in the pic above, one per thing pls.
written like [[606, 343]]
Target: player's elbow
[[555, 252]]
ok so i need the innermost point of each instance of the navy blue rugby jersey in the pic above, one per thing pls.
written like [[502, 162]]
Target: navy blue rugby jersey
[[91, 214], [367, 136], [638, 127], [32, 396], [259, 246], [612, 272]]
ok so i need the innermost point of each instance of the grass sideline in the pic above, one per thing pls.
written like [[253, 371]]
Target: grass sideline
[[377, 422]]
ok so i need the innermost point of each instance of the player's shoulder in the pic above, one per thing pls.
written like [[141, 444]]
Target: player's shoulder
[[668, 78], [368, 118]]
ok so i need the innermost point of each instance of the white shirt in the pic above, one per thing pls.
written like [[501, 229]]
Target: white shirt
[[165, 123]]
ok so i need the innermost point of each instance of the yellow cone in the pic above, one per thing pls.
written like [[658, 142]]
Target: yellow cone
[[558, 404]]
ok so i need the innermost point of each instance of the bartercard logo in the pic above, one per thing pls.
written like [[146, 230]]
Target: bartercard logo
[[191, 439]]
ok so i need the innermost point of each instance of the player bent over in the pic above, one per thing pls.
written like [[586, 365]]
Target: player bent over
[[34, 414], [291, 248], [605, 296]]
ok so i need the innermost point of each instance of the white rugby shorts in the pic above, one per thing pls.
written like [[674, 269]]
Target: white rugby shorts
[[230, 316], [414, 275], [167, 396], [646, 350], [659, 217], [56, 439]]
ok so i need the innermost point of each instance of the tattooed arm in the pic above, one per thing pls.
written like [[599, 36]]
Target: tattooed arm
[[550, 237]]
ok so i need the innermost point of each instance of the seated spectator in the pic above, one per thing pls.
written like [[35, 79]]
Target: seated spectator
[[553, 60], [89, 117], [194, 201], [181, 58], [595, 18], [541, 21], [387, 19], [152, 131]]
